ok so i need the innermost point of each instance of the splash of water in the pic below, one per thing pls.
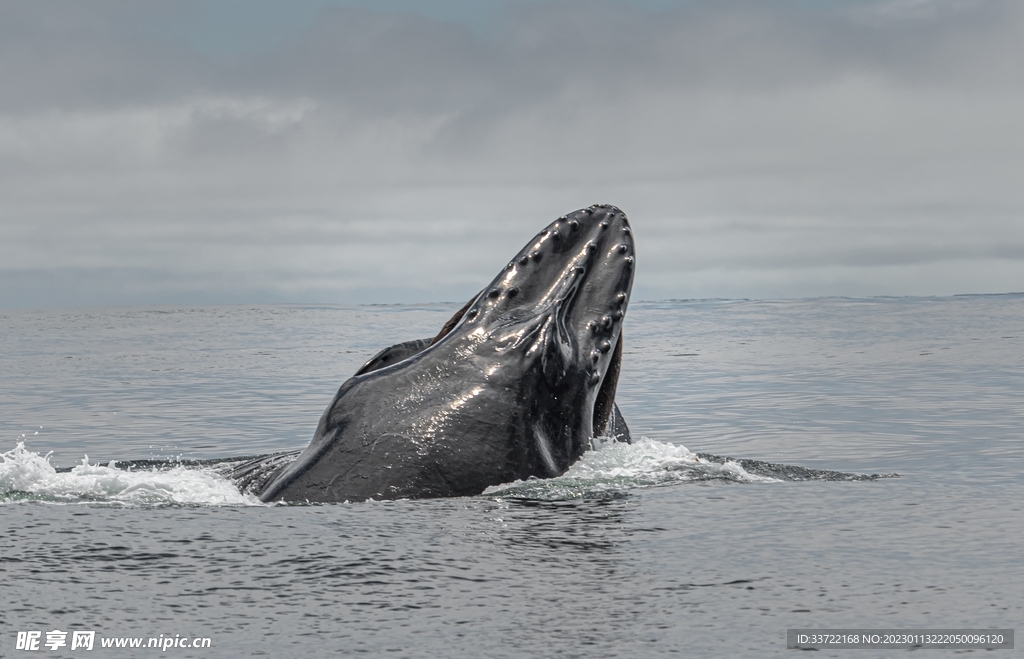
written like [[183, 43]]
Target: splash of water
[[609, 471], [25, 475], [614, 468]]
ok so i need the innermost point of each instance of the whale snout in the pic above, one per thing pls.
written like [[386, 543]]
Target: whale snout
[[574, 277], [591, 244], [600, 306]]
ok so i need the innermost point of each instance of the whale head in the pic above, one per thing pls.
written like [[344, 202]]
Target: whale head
[[516, 384], [556, 311]]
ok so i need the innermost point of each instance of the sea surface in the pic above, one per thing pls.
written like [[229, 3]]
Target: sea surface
[[818, 463]]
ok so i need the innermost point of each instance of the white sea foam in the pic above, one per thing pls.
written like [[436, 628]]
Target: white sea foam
[[617, 467], [28, 475], [610, 469]]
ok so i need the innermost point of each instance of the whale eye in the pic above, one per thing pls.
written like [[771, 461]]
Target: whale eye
[[512, 292]]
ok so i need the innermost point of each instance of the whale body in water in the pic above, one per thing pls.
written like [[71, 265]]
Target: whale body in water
[[516, 385]]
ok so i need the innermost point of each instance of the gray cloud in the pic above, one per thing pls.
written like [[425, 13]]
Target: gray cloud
[[761, 149]]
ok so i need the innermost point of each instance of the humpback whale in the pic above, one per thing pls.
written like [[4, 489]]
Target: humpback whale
[[516, 385]]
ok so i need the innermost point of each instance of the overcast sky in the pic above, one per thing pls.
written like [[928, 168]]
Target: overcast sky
[[402, 151]]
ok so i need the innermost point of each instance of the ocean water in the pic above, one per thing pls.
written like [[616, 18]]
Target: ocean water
[[821, 463]]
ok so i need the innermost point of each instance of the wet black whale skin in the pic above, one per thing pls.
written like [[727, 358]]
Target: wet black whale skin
[[516, 385]]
